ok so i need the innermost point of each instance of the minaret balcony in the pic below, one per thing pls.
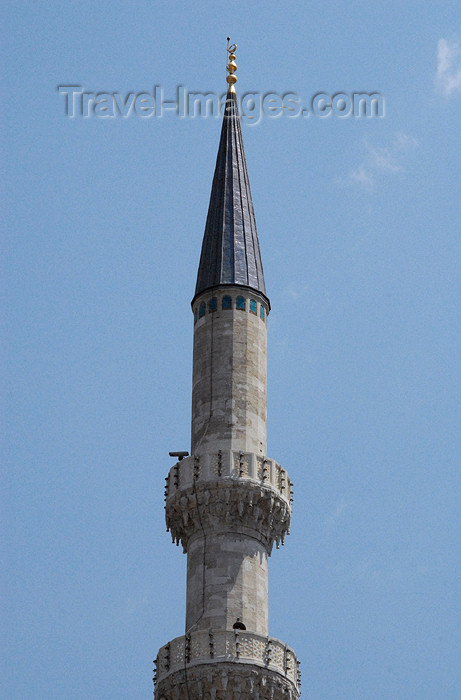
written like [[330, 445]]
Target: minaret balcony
[[226, 664], [228, 492]]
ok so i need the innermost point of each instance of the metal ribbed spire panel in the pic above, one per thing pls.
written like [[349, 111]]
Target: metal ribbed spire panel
[[230, 249]]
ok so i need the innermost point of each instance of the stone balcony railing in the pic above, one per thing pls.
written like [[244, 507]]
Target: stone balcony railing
[[239, 647], [236, 465], [228, 492]]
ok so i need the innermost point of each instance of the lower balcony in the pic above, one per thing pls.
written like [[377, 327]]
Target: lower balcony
[[226, 665]]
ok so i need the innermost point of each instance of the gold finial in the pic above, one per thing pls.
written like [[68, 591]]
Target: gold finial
[[231, 66]]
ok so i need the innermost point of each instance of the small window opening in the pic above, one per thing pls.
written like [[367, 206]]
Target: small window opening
[[261, 312], [226, 302], [240, 303], [201, 310], [213, 305], [253, 307]]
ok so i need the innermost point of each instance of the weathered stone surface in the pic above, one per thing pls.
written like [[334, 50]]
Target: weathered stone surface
[[228, 463], [225, 665], [229, 375], [228, 506], [227, 580], [231, 682]]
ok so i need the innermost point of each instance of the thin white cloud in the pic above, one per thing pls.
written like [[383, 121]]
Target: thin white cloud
[[448, 76], [403, 142], [337, 513], [363, 177], [295, 292], [380, 160], [384, 159]]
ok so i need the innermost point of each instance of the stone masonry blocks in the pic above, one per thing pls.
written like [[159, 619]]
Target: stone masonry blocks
[[229, 379], [226, 580]]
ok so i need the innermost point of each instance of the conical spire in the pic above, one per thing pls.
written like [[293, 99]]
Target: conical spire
[[230, 249]]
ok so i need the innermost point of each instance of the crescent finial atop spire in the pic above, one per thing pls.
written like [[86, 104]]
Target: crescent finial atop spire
[[231, 66]]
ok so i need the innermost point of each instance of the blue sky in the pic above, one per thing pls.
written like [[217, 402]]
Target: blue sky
[[359, 223]]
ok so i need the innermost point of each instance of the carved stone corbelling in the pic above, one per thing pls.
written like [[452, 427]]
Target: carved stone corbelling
[[228, 492], [227, 505], [226, 681]]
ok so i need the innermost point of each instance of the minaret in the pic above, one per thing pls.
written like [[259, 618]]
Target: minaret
[[228, 503]]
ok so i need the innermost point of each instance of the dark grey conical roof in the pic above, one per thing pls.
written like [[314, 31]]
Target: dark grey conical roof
[[230, 248]]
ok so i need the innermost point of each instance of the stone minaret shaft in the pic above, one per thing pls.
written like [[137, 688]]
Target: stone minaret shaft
[[228, 503], [227, 566]]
